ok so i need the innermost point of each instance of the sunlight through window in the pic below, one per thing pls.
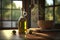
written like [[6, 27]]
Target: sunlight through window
[[18, 4]]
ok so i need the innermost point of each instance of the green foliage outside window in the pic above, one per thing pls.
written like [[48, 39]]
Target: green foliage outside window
[[49, 11], [10, 11], [57, 14]]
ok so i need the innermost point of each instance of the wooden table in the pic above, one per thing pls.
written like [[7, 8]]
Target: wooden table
[[44, 35]]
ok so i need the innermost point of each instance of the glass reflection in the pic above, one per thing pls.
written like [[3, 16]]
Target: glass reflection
[[49, 2]]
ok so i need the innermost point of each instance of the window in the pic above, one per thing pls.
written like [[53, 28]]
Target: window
[[14, 24], [48, 2], [57, 2], [7, 24], [16, 14], [0, 14], [16, 5], [0, 3], [49, 13], [6, 14], [52, 10], [57, 14], [6, 4], [10, 11], [0, 24]]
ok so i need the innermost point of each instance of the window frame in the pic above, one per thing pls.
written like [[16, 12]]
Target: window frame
[[54, 5], [11, 15]]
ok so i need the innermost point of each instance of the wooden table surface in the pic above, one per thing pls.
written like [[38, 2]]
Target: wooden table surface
[[8, 35]]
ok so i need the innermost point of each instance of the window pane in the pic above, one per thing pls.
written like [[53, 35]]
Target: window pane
[[7, 24], [6, 14], [14, 24], [48, 2], [0, 14], [0, 3], [57, 14], [57, 2], [0, 24], [17, 5], [16, 14], [6, 4], [49, 13]]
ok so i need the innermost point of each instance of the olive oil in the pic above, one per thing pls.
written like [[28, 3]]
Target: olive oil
[[22, 27]]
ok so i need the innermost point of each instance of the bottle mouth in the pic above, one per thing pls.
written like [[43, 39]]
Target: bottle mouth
[[24, 13]]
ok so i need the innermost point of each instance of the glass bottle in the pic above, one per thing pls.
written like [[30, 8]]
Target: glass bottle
[[22, 25]]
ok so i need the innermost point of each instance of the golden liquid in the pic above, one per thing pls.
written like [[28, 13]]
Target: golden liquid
[[22, 27], [25, 28]]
